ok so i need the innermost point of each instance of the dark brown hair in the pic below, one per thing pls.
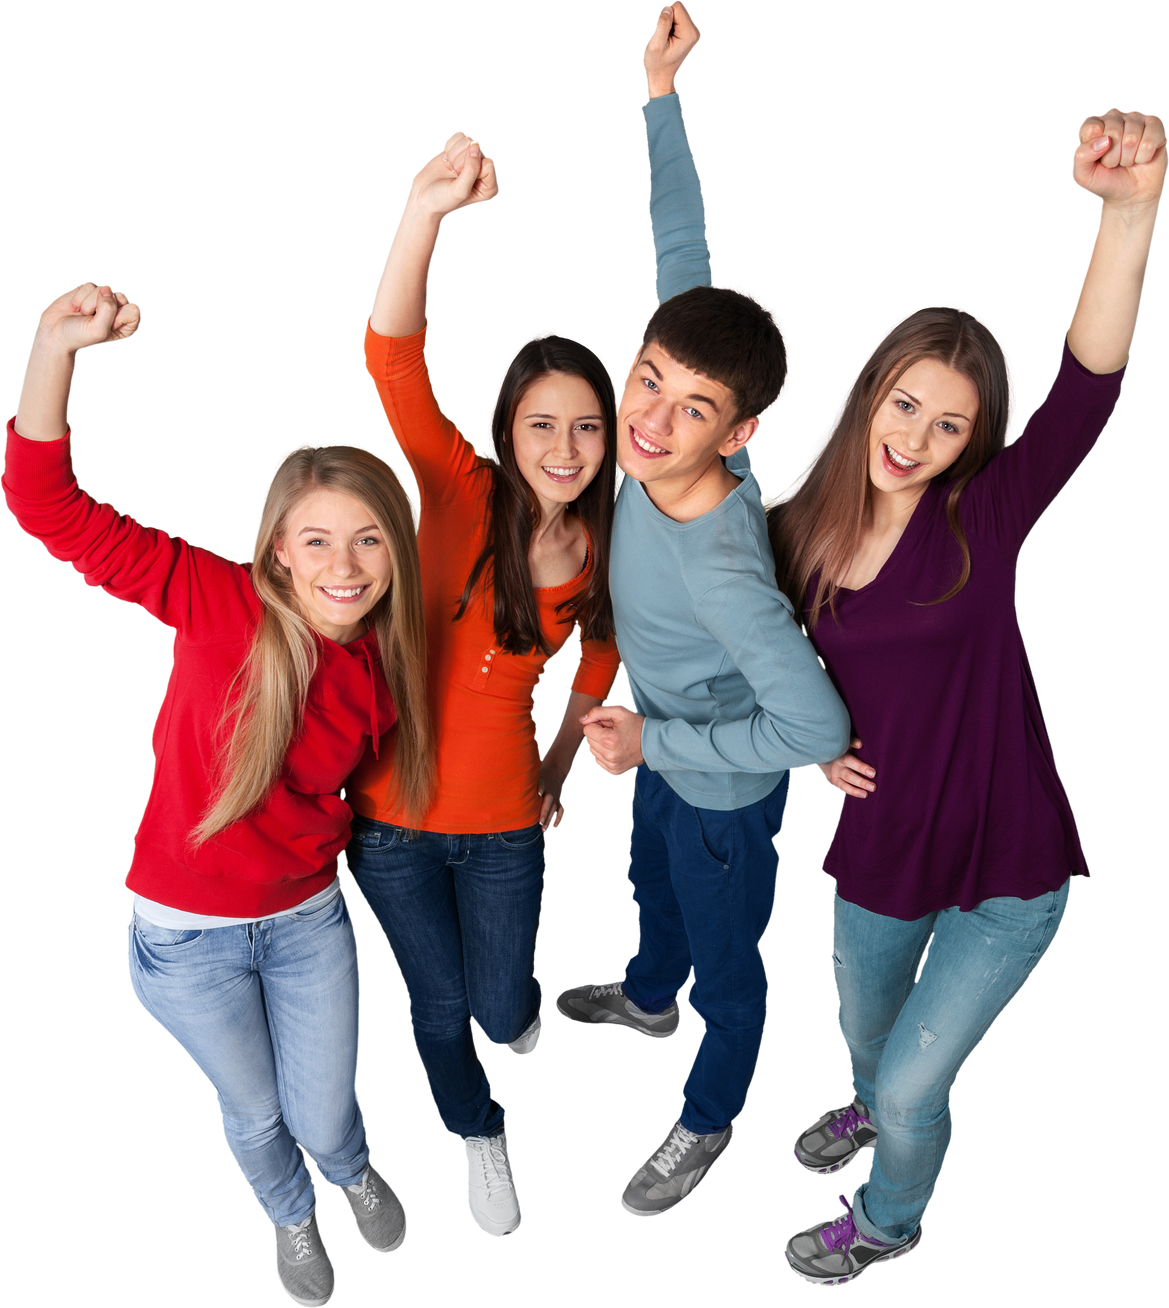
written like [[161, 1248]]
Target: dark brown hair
[[818, 529], [502, 564], [727, 337]]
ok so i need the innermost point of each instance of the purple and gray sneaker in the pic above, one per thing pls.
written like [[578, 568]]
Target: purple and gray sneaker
[[834, 1140], [834, 1252]]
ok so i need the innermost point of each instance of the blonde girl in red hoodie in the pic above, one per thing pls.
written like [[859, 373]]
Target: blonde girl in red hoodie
[[285, 671]]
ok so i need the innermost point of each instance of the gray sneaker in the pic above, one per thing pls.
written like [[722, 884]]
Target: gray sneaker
[[305, 1270], [676, 1168], [380, 1218], [836, 1138], [608, 1004], [831, 1253]]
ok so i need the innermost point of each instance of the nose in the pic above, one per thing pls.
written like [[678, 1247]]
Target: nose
[[346, 564], [655, 416]]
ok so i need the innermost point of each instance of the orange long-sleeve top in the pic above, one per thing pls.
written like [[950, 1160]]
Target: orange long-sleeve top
[[480, 695]]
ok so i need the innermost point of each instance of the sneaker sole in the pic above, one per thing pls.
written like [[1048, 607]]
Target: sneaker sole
[[493, 1230], [844, 1162], [613, 1019], [301, 1303], [908, 1247], [389, 1248], [646, 1212]]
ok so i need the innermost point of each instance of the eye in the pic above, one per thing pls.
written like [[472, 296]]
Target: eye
[[649, 383], [948, 428], [904, 406], [541, 424], [316, 540], [588, 426], [369, 540], [694, 413]]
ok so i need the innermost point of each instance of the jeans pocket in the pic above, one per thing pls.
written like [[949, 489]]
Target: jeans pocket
[[335, 905], [525, 838], [371, 837], [164, 939]]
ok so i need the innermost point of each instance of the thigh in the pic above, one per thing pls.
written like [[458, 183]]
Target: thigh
[[308, 970], [976, 964], [201, 987], [649, 850], [498, 889], [876, 959], [410, 887]]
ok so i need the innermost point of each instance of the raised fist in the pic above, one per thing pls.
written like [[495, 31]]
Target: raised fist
[[673, 39], [1122, 158], [457, 177], [89, 315]]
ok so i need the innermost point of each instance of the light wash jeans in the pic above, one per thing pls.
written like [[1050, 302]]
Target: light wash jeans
[[908, 1041], [269, 1012]]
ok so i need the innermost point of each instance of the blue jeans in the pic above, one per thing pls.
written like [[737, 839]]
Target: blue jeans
[[704, 882], [269, 1012], [460, 913], [908, 1040]]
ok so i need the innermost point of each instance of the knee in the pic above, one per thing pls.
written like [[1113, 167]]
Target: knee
[[253, 1128], [902, 1106]]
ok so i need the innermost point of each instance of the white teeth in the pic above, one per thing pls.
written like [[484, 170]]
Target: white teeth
[[561, 472], [645, 445], [338, 592], [899, 460]]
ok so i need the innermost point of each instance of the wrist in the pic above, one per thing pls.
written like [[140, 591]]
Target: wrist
[[661, 84], [1132, 212], [49, 348]]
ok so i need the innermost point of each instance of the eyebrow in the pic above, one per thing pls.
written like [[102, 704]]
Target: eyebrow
[[324, 531], [586, 417], [702, 399], [918, 403]]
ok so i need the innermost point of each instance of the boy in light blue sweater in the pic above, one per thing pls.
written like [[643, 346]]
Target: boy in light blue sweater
[[729, 692]]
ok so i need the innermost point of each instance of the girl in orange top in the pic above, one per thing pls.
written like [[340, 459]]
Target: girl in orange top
[[513, 553]]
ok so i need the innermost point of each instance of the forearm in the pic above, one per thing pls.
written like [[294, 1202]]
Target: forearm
[[399, 308], [1105, 317], [570, 733], [675, 203], [44, 398]]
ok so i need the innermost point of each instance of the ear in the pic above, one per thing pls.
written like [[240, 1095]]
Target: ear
[[281, 556], [739, 437]]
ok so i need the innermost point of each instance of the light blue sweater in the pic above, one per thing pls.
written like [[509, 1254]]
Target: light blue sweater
[[732, 692]]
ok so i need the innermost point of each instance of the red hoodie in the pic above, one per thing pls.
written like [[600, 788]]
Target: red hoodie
[[286, 849]]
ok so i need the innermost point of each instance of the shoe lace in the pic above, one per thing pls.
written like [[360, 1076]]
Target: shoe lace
[[839, 1235], [847, 1122], [365, 1191], [493, 1160], [302, 1244], [599, 992], [672, 1151]]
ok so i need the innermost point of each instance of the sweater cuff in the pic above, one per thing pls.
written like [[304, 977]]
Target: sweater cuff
[[385, 352], [662, 109], [1069, 359], [650, 753], [37, 470]]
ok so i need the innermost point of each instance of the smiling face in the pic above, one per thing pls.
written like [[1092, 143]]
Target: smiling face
[[339, 560], [922, 427], [558, 437], [673, 423]]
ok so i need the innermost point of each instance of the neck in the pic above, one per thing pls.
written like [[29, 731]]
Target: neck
[[688, 497], [890, 510], [552, 517]]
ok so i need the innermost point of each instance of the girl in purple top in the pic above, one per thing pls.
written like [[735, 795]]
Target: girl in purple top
[[899, 551]]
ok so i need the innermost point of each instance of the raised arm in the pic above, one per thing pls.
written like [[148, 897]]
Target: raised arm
[[1121, 159], [675, 204], [458, 177], [184, 587]]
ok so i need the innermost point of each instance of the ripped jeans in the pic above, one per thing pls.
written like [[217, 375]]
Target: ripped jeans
[[908, 1040]]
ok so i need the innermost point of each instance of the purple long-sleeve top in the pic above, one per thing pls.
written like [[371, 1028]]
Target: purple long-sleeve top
[[968, 804]]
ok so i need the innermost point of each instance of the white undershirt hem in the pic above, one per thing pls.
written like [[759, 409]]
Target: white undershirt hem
[[176, 919]]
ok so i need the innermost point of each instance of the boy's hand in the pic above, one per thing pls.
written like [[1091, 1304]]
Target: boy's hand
[[89, 315], [849, 774], [1122, 158], [457, 177], [614, 736], [673, 39]]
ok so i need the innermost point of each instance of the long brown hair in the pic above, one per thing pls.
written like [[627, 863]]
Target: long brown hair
[[265, 703], [818, 529], [502, 565]]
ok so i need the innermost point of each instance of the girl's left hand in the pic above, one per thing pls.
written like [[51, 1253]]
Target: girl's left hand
[[1122, 158], [548, 787]]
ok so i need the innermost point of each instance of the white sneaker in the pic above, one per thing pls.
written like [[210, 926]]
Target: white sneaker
[[524, 1044], [492, 1195]]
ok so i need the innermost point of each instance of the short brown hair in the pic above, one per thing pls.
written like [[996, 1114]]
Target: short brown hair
[[727, 337]]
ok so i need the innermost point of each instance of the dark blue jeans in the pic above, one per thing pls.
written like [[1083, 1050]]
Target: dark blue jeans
[[704, 882], [460, 913]]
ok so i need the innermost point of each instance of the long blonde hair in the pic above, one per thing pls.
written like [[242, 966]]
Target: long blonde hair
[[817, 530], [265, 703]]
